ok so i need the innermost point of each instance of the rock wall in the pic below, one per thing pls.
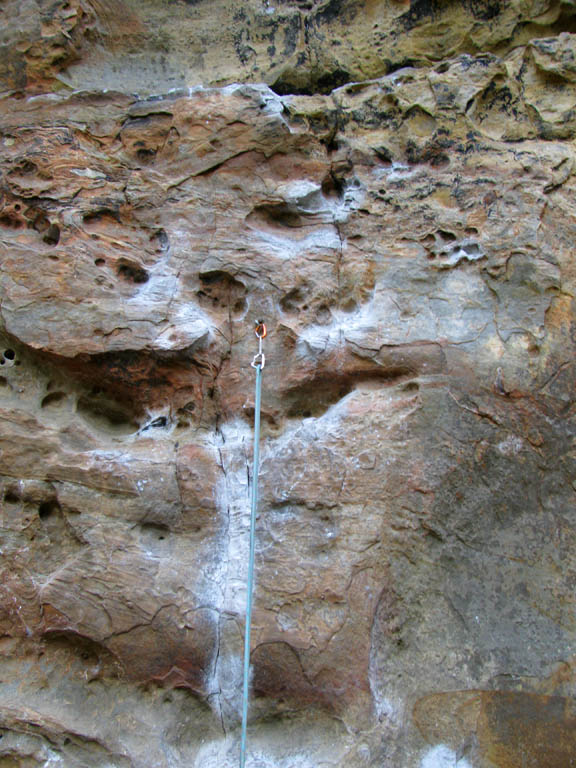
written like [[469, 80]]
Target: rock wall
[[390, 185]]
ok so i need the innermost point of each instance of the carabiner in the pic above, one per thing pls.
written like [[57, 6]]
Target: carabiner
[[259, 361], [260, 331]]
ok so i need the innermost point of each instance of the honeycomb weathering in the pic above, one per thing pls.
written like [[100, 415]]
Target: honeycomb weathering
[[389, 184]]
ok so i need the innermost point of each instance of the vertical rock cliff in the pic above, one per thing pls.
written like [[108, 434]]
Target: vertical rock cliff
[[390, 185]]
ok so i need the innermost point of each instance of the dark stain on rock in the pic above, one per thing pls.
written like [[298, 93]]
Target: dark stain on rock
[[221, 290], [420, 10], [335, 10], [291, 35], [279, 674], [484, 10], [327, 82]]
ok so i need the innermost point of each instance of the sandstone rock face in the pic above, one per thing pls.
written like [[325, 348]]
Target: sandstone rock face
[[390, 185]]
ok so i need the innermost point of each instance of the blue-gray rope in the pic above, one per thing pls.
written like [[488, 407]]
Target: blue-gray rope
[[258, 364]]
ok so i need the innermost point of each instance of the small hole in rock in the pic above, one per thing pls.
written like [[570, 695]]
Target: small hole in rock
[[152, 532], [438, 159], [384, 155], [132, 273], [11, 498], [47, 509], [221, 289], [274, 217], [17, 207], [8, 221], [52, 236], [100, 262], [349, 306], [53, 399], [160, 421], [9, 354], [101, 217], [146, 155], [41, 223], [162, 240], [290, 301], [105, 415]]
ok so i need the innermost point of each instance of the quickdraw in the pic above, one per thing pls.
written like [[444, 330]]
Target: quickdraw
[[261, 333]]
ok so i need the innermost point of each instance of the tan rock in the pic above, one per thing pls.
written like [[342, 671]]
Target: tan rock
[[399, 211]]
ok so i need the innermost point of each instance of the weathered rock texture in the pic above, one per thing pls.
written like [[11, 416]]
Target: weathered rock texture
[[390, 185]]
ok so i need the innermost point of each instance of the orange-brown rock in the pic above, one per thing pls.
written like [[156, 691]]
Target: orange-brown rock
[[390, 186], [504, 728]]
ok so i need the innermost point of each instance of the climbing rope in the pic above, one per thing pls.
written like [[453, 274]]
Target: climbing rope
[[258, 363]]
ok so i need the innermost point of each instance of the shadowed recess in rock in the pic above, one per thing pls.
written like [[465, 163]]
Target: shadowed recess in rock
[[315, 397], [105, 415]]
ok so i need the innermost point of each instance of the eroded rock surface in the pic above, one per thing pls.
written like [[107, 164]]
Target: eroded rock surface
[[390, 186]]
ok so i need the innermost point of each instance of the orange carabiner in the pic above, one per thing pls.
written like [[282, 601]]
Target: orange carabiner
[[260, 330]]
